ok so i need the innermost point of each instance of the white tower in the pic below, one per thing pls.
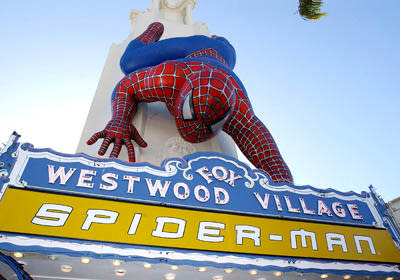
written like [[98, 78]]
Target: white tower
[[153, 121]]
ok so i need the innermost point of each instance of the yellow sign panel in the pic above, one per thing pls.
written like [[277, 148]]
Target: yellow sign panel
[[23, 211]]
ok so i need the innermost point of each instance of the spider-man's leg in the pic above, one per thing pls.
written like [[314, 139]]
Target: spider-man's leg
[[136, 54], [205, 102], [255, 141]]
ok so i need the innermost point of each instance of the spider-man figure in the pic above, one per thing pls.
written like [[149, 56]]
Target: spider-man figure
[[193, 76]]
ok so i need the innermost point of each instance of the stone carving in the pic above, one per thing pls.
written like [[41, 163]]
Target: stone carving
[[176, 146], [193, 76], [174, 10]]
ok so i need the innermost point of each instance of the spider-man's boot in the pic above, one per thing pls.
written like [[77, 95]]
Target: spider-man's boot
[[152, 34]]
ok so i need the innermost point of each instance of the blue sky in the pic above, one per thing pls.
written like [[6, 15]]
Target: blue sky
[[327, 90]]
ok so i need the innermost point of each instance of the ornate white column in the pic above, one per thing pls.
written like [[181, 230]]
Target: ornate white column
[[153, 121]]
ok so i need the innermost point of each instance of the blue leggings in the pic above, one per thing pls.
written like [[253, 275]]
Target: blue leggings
[[139, 55]]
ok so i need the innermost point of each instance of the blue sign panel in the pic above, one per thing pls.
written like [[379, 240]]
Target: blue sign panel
[[208, 181]]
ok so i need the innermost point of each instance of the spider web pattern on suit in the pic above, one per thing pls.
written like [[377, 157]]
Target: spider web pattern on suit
[[202, 97], [220, 99]]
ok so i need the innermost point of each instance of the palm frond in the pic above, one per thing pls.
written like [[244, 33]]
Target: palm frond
[[311, 9]]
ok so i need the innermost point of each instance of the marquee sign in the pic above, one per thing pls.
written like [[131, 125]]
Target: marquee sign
[[207, 181], [204, 203], [131, 223]]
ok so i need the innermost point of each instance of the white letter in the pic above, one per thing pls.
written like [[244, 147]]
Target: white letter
[[289, 205], [354, 211], [159, 231], [157, 187], [221, 177], [60, 173], [338, 209], [108, 178], [243, 231], [278, 202], [263, 202], [134, 224], [336, 239], [131, 182], [304, 207], [183, 195], [210, 228], [84, 180], [206, 176], [218, 199], [48, 212], [206, 196], [232, 178], [358, 238], [104, 217], [323, 209], [303, 234]]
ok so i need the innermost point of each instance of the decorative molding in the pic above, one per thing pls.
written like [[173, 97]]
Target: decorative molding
[[128, 253]]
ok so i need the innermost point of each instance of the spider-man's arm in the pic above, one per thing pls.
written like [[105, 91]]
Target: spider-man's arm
[[255, 141], [120, 129]]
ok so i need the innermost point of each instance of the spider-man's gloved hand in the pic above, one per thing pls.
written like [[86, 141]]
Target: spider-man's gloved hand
[[119, 132]]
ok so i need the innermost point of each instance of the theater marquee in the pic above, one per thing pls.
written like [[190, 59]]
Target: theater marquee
[[204, 203]]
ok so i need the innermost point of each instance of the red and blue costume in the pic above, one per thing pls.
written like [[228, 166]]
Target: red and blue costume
[[193, 76]]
